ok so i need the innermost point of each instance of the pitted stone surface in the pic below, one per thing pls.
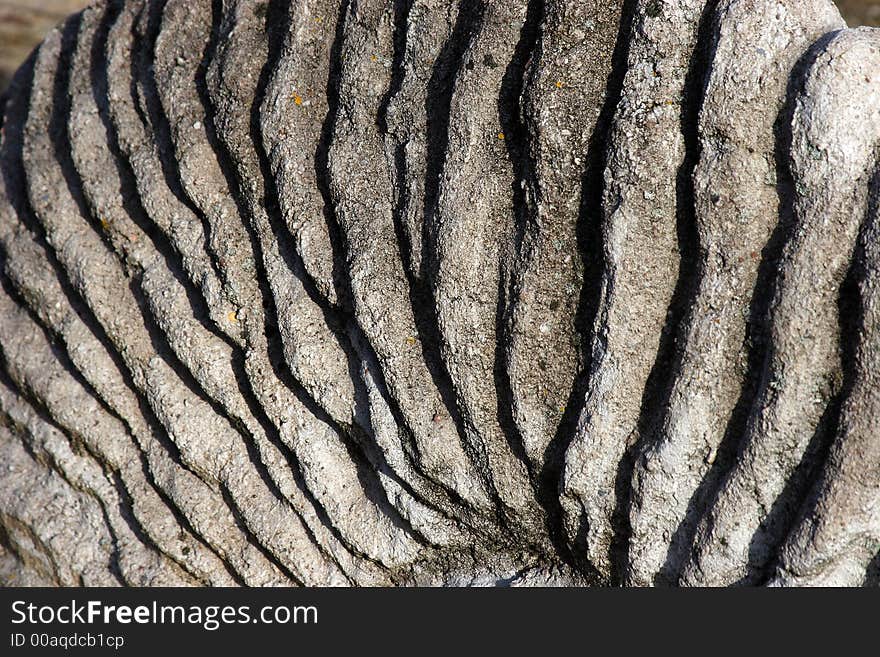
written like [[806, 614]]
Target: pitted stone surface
[[442, 292]]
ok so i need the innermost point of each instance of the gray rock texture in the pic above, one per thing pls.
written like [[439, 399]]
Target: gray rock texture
[[394, 292]]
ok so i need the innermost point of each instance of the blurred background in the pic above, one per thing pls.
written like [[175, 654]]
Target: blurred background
[[24, 22], [860, 12]]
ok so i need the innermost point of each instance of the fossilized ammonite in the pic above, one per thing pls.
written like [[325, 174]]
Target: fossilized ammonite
[[442, 292]]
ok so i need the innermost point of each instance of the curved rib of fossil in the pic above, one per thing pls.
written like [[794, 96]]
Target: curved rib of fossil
[[736, 183]]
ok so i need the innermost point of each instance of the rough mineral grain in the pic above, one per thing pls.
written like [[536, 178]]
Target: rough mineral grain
[[374, 292]]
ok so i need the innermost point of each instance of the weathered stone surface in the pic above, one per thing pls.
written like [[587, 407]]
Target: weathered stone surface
[[438, 292]]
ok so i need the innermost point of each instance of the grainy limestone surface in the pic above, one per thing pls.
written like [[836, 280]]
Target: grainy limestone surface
[[370, 292]]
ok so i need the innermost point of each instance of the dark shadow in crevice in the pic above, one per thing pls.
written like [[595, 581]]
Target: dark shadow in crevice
[[787, 507], [134, 209], [149, 107], [872, 575], [758, 328], [421, 300], [401, 10], [359, 342], [438, 103], [801, 495], [160, 345], [12, 170], [418, 289], [237, 356], [125, 507], [661, 379], [516, 141], [275, 355], [48, 461], [354, 438], [61, 354], [591, 247], [11, 545]]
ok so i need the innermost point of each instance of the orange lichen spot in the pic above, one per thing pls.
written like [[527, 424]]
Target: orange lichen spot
[[232, 316], [105, 224], [560, 84], [373, 58], [501, 136], [411, 341], [297, 99]]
